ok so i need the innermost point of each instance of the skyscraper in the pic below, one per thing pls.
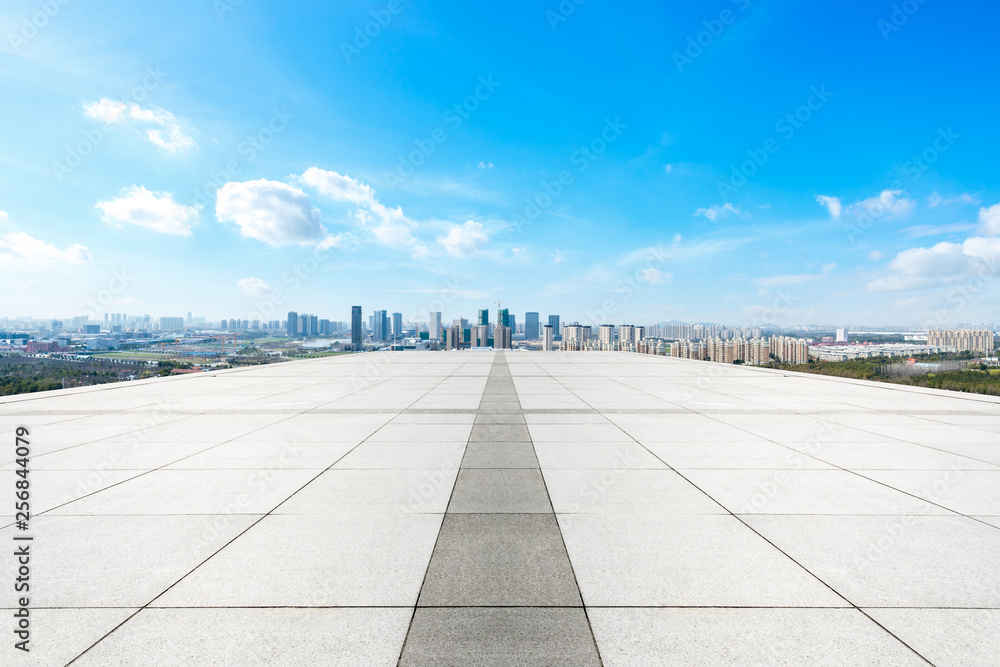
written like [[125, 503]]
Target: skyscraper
[[434, 327], [503, 317], [355, 327], [531, 326], [397, 325], [501, 338], [548, 345], [554, 323], [292, 325], [380, 325], [484, 318]]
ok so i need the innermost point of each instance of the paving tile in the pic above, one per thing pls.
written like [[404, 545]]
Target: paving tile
[[349, 491], [878, 561], [344, 637], [500, 455], [311, 560], [964, 491], [804, 492], [966, 637], [503, 432], [438, 455], [499, 559], [141, 555], [625, 491], [683, 560], [500, 490], [791, 637], [60, 635], [598, 455], [499, 637]]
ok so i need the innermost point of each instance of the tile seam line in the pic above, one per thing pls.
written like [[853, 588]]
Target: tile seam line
[[183, 458], [788, 447], [236, 537], [437, 538], [776, 547]]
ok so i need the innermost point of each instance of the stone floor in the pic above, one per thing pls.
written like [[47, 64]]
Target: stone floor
[[480, 508]]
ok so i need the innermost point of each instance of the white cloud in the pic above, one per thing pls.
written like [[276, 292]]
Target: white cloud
[[832, 205], [943, 263], [485, 165], [889, 203], [389, 226], [717, 211], [935, 200], [654, 276], [558, 257], [875, 255], [919, 231], [168, 135], [254, 287], [156, 211], [989, 220], [18, 247], [464, 239], [3, 216], [270, 211]]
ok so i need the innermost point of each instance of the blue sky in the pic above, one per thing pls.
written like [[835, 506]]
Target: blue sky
[[743, 162]]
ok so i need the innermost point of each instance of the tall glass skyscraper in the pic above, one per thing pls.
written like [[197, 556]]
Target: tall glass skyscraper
[[554, 323], [356, 327], [531, 326]]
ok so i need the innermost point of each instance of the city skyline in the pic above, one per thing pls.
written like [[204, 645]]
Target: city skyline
[[321, 166]]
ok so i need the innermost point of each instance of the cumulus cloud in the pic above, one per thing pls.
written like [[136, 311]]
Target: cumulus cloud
[[717, 211], [167, 133], [156, 211], [888, 203], [832, 205], [943, 263], [464, 239], [989, 220], [254, 287], [389, 226], [485, 165], [270, 211], [21, 248], [3, 216]]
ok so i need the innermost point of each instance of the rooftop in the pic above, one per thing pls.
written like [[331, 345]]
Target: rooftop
[[459, 508]]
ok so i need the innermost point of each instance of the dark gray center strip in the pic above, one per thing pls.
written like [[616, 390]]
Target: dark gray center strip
[[500, 589]]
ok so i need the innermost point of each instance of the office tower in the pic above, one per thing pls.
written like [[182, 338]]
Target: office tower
[[511, 324], [531, 326], [549, 338], [434, 328], [397, 325], [484, 318], [554, 323], [503, 317], [188, 320], [474, 337], [292, 324], [842, 335], [452, 338], [501, 338], [356, 327], [380, 328], [484, 335], [171, 323]]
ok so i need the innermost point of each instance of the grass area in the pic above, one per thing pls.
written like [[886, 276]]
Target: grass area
[[131, 356], [976, 380]]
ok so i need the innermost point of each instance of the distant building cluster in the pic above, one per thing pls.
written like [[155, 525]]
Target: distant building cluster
[[752, 351], [964, 340]]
